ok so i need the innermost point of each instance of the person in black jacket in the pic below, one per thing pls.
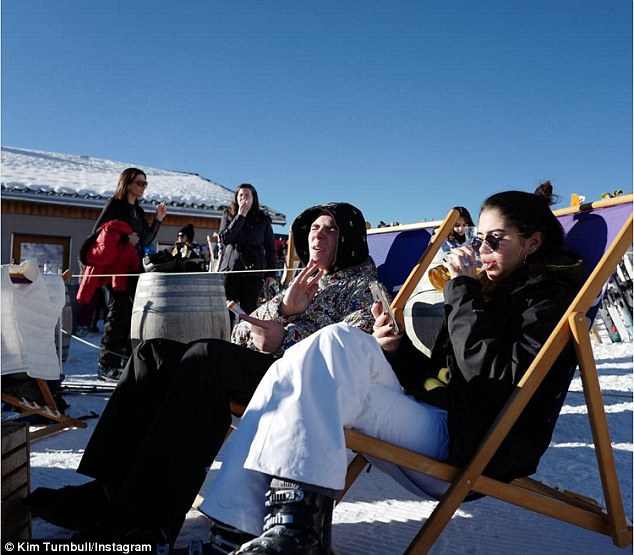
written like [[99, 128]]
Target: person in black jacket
[[290, 447], [248, 244], [124, 205], [184, 246]]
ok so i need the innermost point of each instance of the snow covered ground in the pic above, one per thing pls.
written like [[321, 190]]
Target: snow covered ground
[[379, 517]]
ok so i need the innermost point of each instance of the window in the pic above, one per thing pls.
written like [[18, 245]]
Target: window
[[42, 249]]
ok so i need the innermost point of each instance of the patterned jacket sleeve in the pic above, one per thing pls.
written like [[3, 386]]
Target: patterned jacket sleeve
[[346, 299]]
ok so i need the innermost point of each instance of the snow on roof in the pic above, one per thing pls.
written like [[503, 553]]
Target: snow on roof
[[86, 181]]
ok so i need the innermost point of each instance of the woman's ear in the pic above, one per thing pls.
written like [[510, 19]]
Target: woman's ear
[[534, 242]]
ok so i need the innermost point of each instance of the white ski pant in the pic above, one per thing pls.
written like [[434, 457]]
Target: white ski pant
[[293, 426]]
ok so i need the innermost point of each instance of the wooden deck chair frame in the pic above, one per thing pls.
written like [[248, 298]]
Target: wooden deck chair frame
[[49, 410], [526, 492], [291, 262], [438, 238]]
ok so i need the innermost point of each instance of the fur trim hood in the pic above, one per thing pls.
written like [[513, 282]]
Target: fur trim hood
[[352, 243]]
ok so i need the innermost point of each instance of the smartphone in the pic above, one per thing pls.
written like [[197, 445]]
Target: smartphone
[[235, 308], [379, 295]]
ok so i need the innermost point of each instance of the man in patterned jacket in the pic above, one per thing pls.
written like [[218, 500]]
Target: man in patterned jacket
[[168, 417]]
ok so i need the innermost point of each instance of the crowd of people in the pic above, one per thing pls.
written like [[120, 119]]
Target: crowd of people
[[319, 356], [244, 250]]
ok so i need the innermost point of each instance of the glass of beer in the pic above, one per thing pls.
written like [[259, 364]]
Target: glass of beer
[[439, 275]]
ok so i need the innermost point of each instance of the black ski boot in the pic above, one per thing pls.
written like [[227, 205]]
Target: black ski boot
[[299, 523]]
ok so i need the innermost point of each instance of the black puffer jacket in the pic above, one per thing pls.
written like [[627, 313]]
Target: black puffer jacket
[[492, 345], [134, 216], [248, 243]]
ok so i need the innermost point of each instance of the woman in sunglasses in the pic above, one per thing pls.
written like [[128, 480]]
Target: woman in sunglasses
[[124, 205], [290, 447], [133, 229]]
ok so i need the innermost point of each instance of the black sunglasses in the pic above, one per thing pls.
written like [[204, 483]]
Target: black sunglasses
[[492, 241]]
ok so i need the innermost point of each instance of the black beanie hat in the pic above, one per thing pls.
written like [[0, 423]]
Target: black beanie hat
[[188, 231]]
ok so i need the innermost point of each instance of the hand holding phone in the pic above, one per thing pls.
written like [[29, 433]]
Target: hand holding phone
[[379, 295]]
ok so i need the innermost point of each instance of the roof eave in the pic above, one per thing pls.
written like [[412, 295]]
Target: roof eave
[[98, 201]]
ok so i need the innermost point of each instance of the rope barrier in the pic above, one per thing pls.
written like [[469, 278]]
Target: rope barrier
[[91, 345], [195, 273]]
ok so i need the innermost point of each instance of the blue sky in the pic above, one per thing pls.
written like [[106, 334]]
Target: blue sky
[[404, 109]]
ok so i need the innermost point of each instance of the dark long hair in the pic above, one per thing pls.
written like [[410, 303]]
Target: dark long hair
[[466, 216], [528, 213], [254, 211], [127, 176]]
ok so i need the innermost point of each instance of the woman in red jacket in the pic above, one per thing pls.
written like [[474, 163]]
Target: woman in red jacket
[[107, 260], [124, 207]]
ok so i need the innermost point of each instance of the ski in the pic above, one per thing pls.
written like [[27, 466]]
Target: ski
[[78, 387], [610, 328], [624, 282], [619, 314], [619, 298]]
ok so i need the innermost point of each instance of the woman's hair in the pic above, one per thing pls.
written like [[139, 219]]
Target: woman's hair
[[127, 176], [528, 213], [464, 214], [254, 211]]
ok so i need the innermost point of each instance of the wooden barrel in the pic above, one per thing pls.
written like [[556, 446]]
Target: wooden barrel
[[182, 307]]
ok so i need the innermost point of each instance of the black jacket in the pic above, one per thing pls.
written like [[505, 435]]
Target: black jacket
[[248, 243], [492, 345], [132, 214]]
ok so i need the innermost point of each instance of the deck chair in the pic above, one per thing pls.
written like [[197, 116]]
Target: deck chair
[[291, 262], [27, 275], [601, 232]]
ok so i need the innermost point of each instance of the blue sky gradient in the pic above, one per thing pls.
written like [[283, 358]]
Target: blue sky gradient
[[404, 109]]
